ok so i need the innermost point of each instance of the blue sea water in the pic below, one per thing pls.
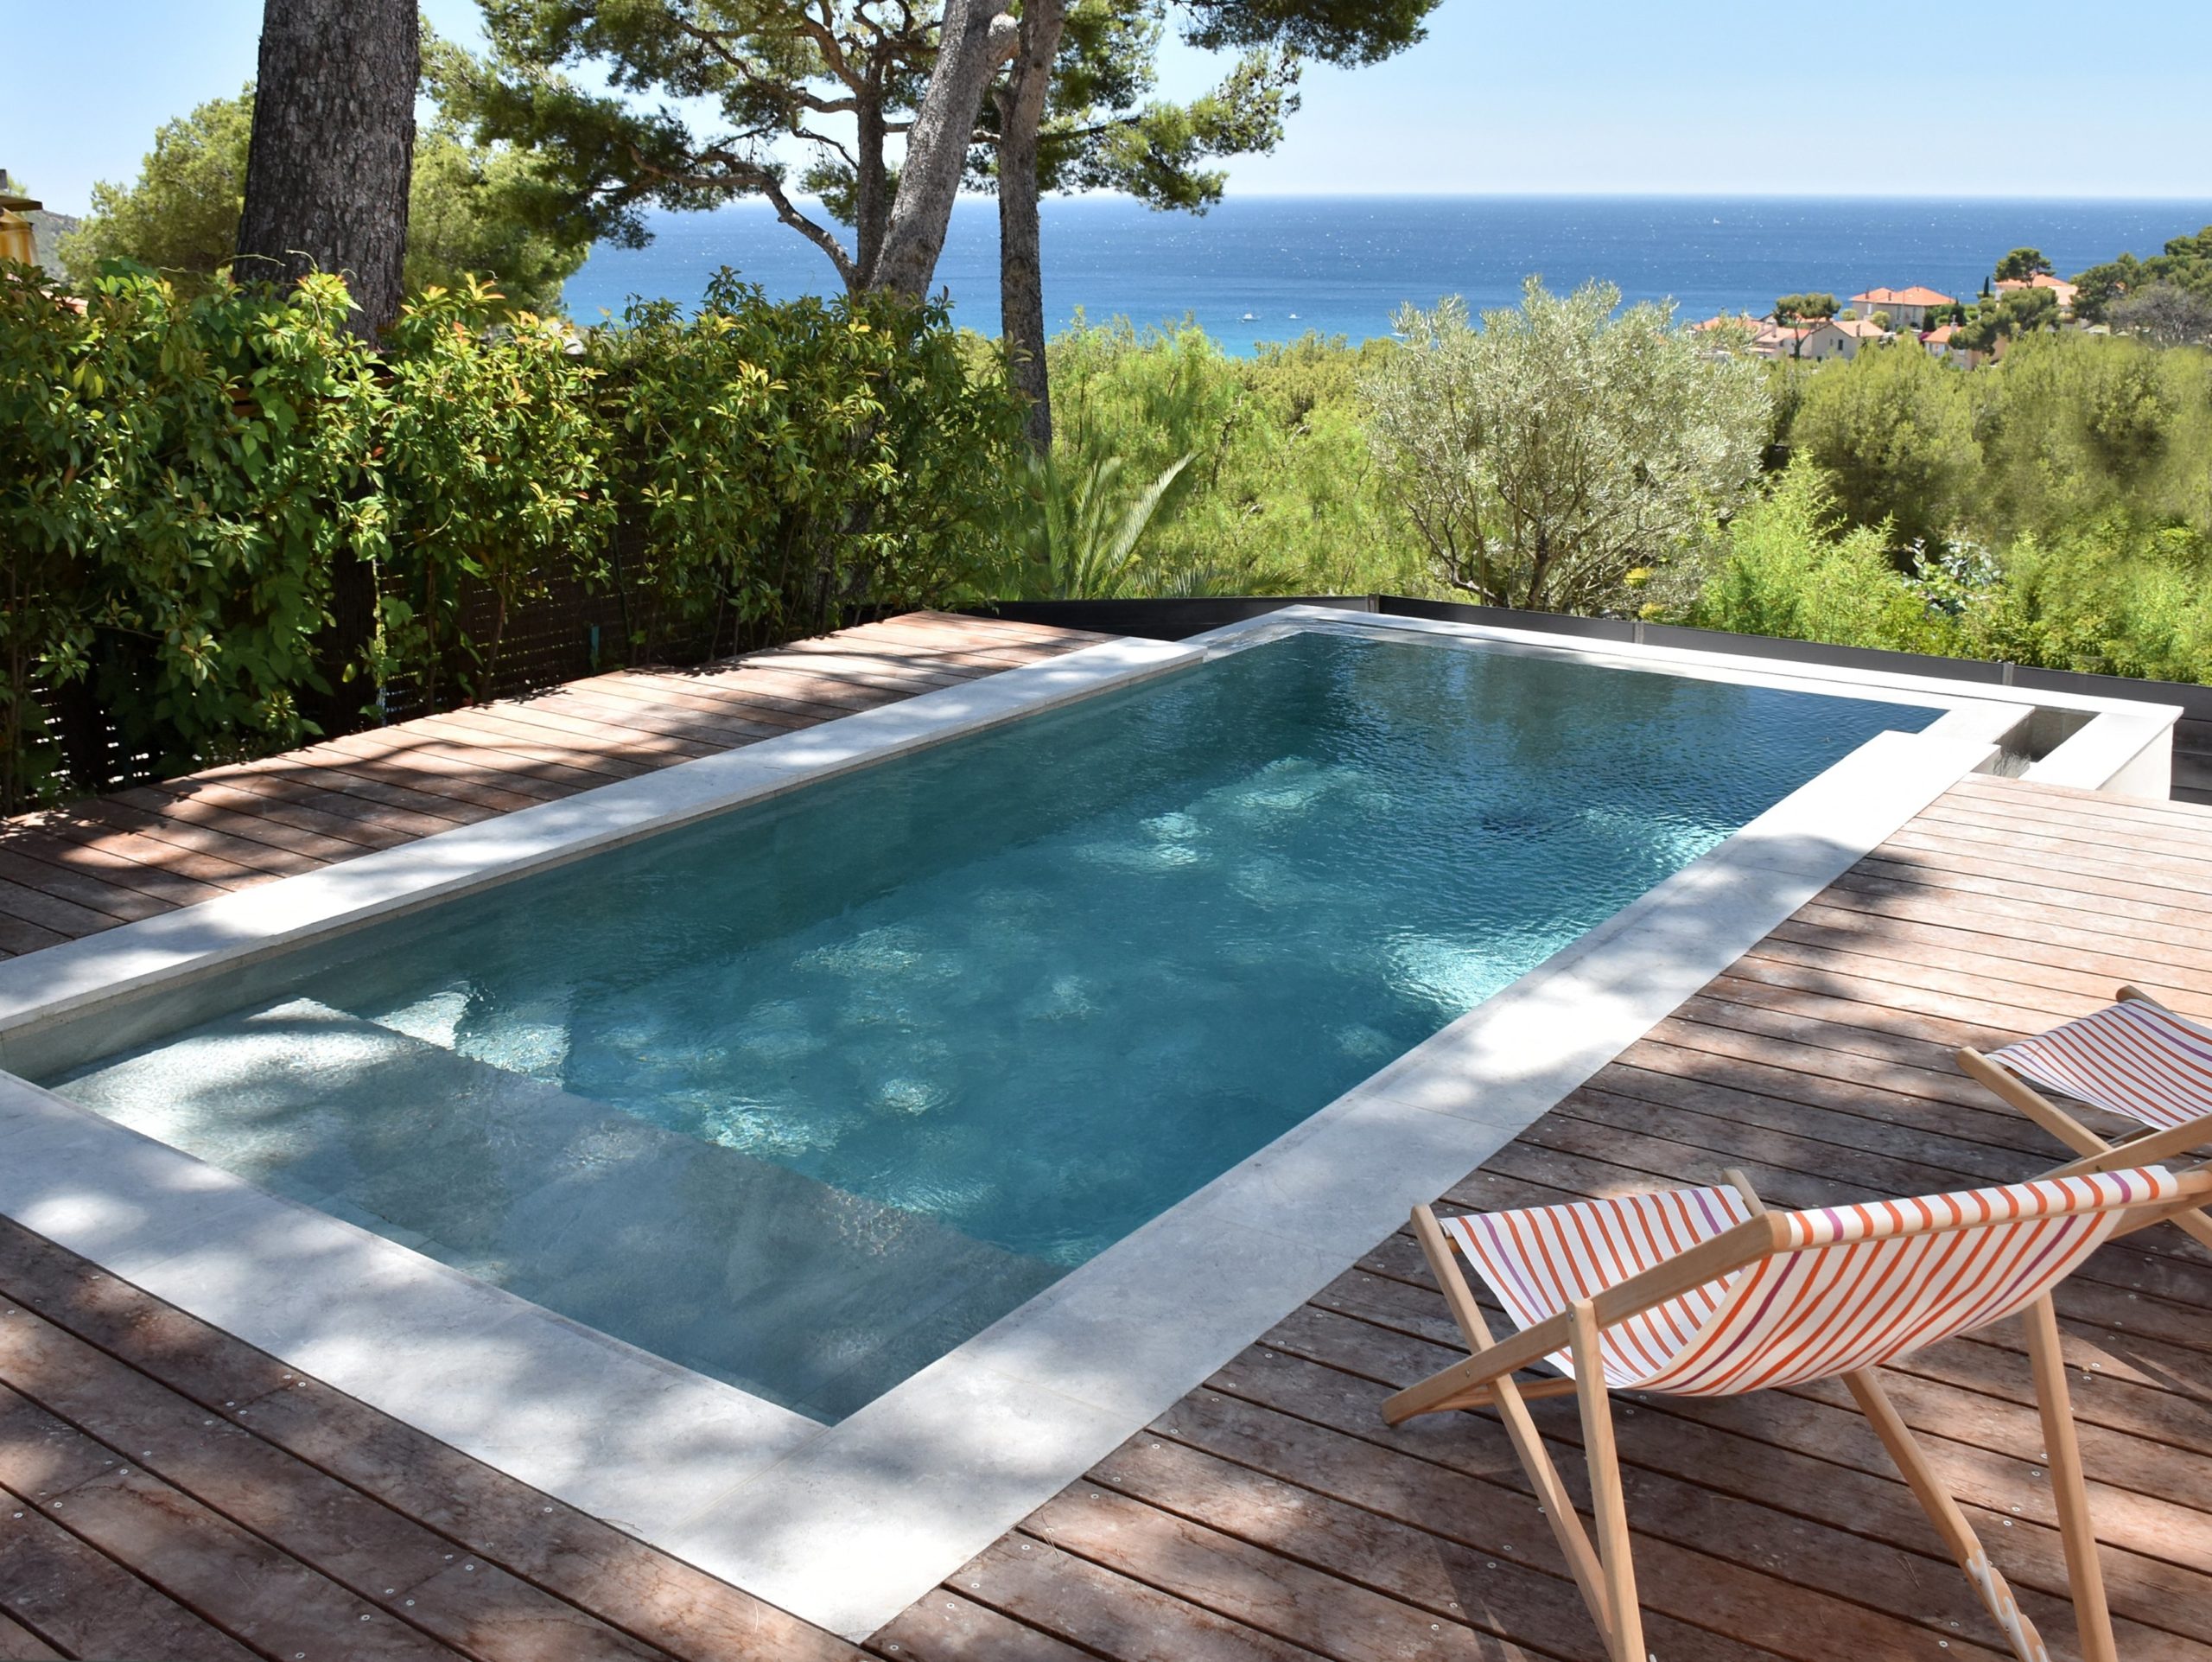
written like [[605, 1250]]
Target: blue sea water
[[1271, 268], [806, 1094]]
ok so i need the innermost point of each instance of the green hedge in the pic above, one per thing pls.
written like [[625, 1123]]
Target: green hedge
[[191, 490]]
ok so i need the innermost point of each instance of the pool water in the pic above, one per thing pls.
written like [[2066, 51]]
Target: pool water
[[805, 1095]]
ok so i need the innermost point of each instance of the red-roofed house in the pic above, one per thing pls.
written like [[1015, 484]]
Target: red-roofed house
[[1908, 308], [1816, 342], [1840, 337], [2058, 286]]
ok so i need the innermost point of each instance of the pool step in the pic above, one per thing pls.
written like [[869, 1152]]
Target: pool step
[[736, 1267]]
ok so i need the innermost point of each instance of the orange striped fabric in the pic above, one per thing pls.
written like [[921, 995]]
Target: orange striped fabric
[[1854, 1286], [2133, 1059], [1539, 1261]]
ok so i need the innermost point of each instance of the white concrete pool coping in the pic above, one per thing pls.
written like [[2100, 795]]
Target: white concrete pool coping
[[847, 1524]]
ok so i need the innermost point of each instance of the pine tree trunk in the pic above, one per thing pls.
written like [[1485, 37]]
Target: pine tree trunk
[[975, 40], [1022, 261], [326, 189], [872, 188], [333, 141]]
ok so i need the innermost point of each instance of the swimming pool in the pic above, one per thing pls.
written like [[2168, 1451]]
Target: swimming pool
[[803, 1095]]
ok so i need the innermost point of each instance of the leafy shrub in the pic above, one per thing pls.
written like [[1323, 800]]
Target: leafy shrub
[[2074, 429], [2110, 599], [1279, 495], [783, 462], [181, 481], [1790, 566], [491, 471], [176, 479], [1078, 534]]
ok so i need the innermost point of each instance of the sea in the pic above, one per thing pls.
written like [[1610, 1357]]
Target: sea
[[1260, 269]]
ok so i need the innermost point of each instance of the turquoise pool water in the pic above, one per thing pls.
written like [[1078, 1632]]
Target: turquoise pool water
[[803, 1095]]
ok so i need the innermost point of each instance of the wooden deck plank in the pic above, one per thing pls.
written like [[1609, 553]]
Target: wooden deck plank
[[85, 889], [764, 693], [381, 1556], [19, 935], [883, 672], [1299, 1600], [344, 805], [698, 700], [2169, 838], [239, 814], [262, 847], [2110, 925], [1424, 1536], [263, 1598], [665, 718], [155, 869], [49, 910], [944, 1628], [327, 772], [464, 772], [19, 1644], [85, 1604], [328, 1478], [1074, 1600]]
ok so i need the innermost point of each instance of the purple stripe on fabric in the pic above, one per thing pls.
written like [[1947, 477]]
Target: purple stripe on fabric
[[1531, 1297]]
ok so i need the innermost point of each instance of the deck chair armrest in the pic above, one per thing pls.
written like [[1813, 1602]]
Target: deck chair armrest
[[2131, 994], [2196, 1190]]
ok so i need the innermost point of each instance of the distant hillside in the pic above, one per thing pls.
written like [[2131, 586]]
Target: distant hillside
[[50, 228]]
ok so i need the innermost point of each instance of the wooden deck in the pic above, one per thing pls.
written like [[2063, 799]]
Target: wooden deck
[[114, 859], [171, 1492]]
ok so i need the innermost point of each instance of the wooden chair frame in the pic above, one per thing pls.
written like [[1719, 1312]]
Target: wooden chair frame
[[1603, 1568], [2143, 1148]]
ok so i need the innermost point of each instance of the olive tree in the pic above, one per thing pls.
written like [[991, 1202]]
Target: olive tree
[[1547, 457]]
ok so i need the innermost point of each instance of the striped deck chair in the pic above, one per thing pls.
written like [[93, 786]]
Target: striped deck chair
[[2136, 1059], [1705, 1292]]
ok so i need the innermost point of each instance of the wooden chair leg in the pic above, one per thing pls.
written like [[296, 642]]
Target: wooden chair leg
[[1520, 1426], [1608, 1504], [1965, 1546], [2062, 1451]]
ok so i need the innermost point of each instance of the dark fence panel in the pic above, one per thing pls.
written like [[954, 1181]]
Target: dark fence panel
[[1178, 619], [571, 631], [1816, 652]]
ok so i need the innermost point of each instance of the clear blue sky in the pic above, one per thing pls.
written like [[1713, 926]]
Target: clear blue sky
[[2036, 98]]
